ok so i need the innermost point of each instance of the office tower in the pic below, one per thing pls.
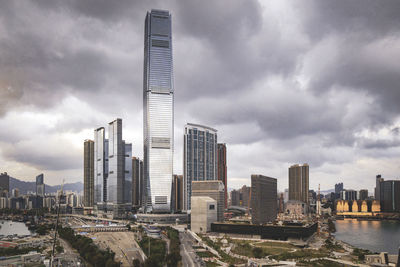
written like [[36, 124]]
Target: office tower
[[245, 196], [235, 197], [177, 193], [378, 180], [158, 111], [199, 157], [263, 199], [389, 195], [116, 162], [40, 185], [127, 185], [298, 182], [4, 182], [88, 173], [137, 181], [363, 194], [222, 170], [214, 189], [338, 188], [15, 192], [100, 166]]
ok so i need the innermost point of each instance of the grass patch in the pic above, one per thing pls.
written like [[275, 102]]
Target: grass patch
[[211, 264], [322, 263], [301, 254], [204, 254]]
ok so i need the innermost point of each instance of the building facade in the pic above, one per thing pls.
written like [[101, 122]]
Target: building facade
[[88, 173], [214, 189], [116, 162], [158, 111], [137, 181], [299, 182], [127, 185], [263, 199], [363, 194], [222, 169], [199, 157], [204, 213], [100, 166], [177, 193], [40, 190]]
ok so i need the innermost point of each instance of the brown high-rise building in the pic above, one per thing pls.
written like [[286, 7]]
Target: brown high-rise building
[[263, 199], [222, 170], [245, 196], [235, 197], [177, 193], [88, 173], [137, 182], [299, 182], [214, 189]]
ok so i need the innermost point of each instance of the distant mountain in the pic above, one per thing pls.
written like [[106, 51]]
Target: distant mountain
[[24, 187], [326, 191]]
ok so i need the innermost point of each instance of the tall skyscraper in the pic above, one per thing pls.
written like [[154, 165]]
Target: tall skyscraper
[[88, 173], [389, 194], [378, 181], [222, 169], [100, 166], [128, 173], [116, 162], [40, 185], [263, 199], [137, 182], [299, 182], [158, 110], [199, 157]]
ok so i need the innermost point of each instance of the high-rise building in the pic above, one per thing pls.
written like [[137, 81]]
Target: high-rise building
[[177, 193], [214, 189], [88, 173], [235, 197], [116, 162], [338, 188], [362, 194], [158, 111], [222, 170], [378, 181], [127, 185], [245, 196], [389, 195], [4, 182], [299, 182], [263, 199], [40, 185], [137, 182], [100, 166], [199, 157]]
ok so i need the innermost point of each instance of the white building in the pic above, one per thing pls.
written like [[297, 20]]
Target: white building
[[204, 212]]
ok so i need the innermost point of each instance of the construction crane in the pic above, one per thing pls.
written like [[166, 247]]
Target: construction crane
[[56, 227]]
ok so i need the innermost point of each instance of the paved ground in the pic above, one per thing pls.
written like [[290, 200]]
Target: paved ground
[[122, 243], [189, 257]]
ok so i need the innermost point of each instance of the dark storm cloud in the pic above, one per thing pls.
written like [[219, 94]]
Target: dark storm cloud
[[305, 82]]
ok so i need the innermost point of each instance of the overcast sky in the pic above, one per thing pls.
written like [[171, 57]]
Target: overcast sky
[[283, 82]]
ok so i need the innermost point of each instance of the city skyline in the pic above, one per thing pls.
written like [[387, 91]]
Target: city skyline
[[273, 108]]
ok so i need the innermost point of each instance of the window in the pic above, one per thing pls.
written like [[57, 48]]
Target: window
[[211, 207]]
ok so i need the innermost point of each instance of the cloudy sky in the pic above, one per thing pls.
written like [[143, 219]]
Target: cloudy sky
[[284, 82]]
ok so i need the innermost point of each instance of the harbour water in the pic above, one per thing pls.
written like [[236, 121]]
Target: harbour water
[[376, 236], [11, 228]]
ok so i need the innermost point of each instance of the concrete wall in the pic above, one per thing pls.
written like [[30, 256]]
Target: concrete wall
[[204, 212]]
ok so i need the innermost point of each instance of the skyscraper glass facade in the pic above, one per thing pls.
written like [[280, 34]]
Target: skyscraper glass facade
[[116, 162], [100, 166], [200, 157], [158, 111]]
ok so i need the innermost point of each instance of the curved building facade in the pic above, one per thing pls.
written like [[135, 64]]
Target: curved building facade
[[158, 111]]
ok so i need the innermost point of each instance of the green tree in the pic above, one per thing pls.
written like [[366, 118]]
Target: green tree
[[258, 252]]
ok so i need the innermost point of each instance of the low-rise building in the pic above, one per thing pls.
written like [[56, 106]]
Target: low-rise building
[[204, 212]]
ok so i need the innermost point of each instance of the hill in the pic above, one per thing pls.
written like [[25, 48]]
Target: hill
[[24, 187]]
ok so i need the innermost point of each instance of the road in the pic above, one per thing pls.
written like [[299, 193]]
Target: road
[[189, 256], [70, 255]]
